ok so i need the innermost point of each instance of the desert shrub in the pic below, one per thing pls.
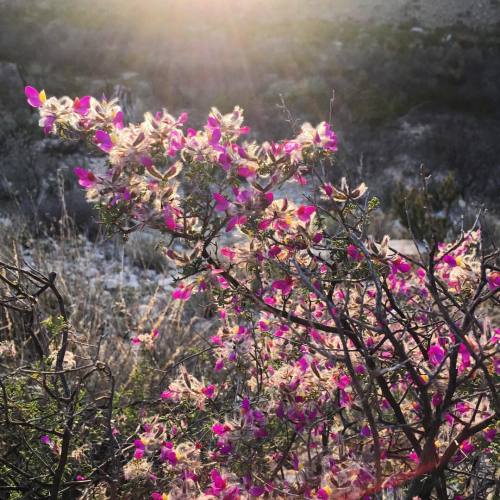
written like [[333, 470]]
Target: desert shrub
[[427, 208], [340, 368]]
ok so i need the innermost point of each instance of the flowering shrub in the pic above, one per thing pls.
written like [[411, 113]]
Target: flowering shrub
[[341, 367]]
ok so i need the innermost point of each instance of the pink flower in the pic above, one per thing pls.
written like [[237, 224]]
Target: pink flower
[[182, 293], [235, 220], [86, 178], [228, 252], [35, 99], [215, 136], [323, 494], [494, 280], [400, 265], [217, 340], [467, 447], [170, 215], [256, 491], [246, 172], [437, 399], [167, 453], [222, 204], [48, 123], [436, 354], [354, 253], [303, 363], [218, 484], [450, 260], [365, 431], [304, 212], [462, 408], [82, 105], [159, 496], [328, 189], [285, 286], [140, 449], [167, 395], [46, 440], [220, 429], [103, 141], [343, 382], [489, 434], [118, 120], [209, 391]]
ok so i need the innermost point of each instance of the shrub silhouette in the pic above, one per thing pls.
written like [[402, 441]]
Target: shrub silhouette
[[340, 367]]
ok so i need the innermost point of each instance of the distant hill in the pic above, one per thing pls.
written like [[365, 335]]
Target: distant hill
[[415, 81]]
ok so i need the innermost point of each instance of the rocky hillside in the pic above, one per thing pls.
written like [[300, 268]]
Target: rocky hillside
[[415, 82]]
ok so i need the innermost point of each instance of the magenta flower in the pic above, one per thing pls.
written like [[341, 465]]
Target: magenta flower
[[167, 453], [166, 395], [467, 447], [328, 189], [236, 220], [48, 124], [228, 252], [354, 253], [220, 429], [46, 440], [437, 399], [450, 260], [140, 449], [222, 204], [218, 484], [365, 431], [303, 363], [170, 215], [217, 340], [82, 105], [246, 172], [103, 141], [323, 493], [343, 382], [158, 496], [182, 293], [147, 161], [494, 280], [225, 161], [215, 136], [35, 99], [304, 212], [489, 434], [209, 391], [118, 120], [86, 178], [256, 491], [285, 286], [274, 251], [436, 354], [400, 265]]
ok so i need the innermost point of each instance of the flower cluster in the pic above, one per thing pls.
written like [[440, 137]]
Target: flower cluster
[[341, 367]]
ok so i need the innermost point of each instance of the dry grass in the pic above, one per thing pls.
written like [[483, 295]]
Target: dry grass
[[111, 295]]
